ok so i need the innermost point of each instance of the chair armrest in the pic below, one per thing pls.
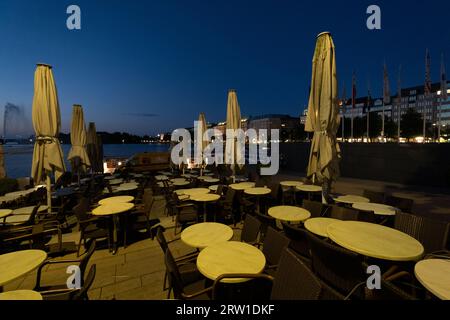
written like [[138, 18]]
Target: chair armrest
[[196, 294], [238, 275]]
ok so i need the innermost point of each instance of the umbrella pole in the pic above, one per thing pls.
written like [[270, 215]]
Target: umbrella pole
[[49, 194]]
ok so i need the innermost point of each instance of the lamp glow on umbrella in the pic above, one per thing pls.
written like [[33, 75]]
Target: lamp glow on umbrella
[[47, 154], [323, 115], [77, 154]]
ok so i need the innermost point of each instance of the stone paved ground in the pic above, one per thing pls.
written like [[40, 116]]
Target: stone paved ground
[[137, 271]]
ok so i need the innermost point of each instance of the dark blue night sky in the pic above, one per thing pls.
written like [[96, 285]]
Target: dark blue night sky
[[133, 60]]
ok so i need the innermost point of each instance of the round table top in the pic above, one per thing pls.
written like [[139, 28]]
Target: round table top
[[125, 188], [308, 188], [7, 199], [376, 208], [434, 275], [257, 191], [20, 295], [17, 218], [193, 191], [115, 181], [230, 257], [211, 180], [202, 235], [181, 183], [17, 194], [29, 209], [319, 225], [165, 173], [178, 179], [242, 185], [162, 177], [205, 197], [291, 183], [112, 208], [350, 199], [16, 264], [289, 213], [376, 241], [213, 187], [116, 199], [189, 175], [5, 212]]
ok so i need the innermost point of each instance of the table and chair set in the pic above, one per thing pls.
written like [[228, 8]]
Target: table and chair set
[[323, 241]]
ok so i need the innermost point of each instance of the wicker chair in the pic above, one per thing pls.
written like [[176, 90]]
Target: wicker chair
[[434, 235], [314, 207], [339, 268], [299, 241], [343, 213], [404, 204], [274, 244], [266, 222], [374, 196], [293, 280], [72, 294], [187, 284], [250, 230]]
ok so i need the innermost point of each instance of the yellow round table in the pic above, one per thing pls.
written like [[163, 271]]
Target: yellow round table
[[202, 235], [180, 183], [257, 192], [376, 208], [350, 199], [161, 177], [115, 181], [113, 209], [376, 241], [230, 257], [195, 191], [242, 186], [178, 180], [291, 184], [16, 264], [206, 197], [123, 188], [308, 188], [211, 180], [5, 212], [29, 210], [319, 225], [289, 213], [116, 199], [214, 187], [434, 275], [20, 295]]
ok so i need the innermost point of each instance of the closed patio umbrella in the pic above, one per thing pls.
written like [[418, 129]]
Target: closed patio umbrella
[[322, 117], [47, 155], [233, 122], [92, 149], [201, 144], [77, 154]]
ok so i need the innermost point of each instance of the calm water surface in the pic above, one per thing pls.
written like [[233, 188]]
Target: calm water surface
[[18, 158]]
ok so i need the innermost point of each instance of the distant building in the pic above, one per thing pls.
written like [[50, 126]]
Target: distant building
[[412, 97]]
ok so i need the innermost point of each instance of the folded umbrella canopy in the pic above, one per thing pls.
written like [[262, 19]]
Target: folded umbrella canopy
[[322, 117], [232, 148], [77, 154], [200, 143], [93, 149], [47, 155]]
